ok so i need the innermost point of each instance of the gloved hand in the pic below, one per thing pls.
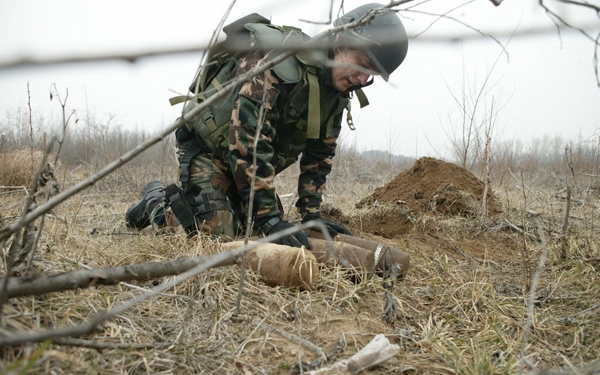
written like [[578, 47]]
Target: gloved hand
[[332, 227], [276, 224]]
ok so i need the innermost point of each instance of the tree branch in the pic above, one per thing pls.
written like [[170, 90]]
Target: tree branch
[[90, 325], [46, 283]]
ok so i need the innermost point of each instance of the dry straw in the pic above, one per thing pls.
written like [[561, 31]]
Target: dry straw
[[458, 311]]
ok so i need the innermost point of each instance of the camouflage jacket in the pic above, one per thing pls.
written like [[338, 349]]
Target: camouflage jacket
[[282, 139], [283, 134]]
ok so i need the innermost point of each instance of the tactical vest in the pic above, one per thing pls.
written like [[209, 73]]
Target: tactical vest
[[306, 113]]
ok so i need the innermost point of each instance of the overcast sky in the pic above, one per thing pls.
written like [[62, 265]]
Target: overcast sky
[[542, 84]]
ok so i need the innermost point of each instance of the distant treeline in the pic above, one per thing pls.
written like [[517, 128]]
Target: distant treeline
[[94, 143]]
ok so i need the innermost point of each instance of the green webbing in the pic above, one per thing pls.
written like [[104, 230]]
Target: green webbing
[[184, 98], [362, 98], [314, 108], [216, 84], [179, 99]]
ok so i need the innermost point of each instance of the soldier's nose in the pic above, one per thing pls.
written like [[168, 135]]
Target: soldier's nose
[[362, 78]]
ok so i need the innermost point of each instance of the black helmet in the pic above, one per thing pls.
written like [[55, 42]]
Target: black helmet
[[390, 42]]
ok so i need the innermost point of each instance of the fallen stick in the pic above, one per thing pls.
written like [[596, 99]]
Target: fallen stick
[[304, 264], [278, 264], [53, 282]]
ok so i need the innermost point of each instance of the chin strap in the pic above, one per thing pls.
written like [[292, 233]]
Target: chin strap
[[362, 99]]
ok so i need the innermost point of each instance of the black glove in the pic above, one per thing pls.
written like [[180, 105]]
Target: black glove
[[276, 224], [332, 227]]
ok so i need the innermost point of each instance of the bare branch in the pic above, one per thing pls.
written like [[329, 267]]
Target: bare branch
[[249, 219], [582, 3], [46, 283], [293, 338], [59, 198], [89, 326], [447, 16], [133, 57], [107, 345], [560, 20], [555, 17]]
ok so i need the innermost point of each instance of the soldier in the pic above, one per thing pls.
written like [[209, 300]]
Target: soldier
[[298, 104]]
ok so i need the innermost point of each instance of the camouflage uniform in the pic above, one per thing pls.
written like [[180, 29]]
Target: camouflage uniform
[[299, 106], [222, 172]]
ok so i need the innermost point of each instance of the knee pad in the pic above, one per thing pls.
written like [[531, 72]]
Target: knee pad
[[192, 206]]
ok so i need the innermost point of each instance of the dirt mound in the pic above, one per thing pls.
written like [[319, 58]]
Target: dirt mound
[[434, 185], [430, 185]]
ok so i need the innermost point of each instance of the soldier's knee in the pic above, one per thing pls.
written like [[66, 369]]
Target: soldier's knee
[[209, 212], [220, 224]]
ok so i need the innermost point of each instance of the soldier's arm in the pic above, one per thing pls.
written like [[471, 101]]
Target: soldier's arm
[[255, 101], [315, 164]]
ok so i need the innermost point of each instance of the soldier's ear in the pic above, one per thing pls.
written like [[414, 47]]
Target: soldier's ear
[[337, 45]]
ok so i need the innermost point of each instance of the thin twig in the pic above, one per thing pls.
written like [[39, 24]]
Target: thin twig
[[581, 312], [294, 339], [107, 345], [52, 183], [533, 290], [565, 226], [249, 218]]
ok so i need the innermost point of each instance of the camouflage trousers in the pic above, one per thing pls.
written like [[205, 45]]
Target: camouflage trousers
[[210, 178]]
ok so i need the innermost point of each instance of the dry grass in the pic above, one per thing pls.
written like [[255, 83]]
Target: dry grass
[[462, 309], [19, 166]]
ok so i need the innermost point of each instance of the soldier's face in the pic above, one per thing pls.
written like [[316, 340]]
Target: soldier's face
[[351, 68]]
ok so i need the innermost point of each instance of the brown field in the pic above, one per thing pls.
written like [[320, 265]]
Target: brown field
[[462, 308]]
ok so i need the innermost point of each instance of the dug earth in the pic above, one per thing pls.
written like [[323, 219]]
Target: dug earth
[[428, 206]]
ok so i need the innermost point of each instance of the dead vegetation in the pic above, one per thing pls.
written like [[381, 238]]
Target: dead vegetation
[[467, 305], [19, 167], [462, 308]]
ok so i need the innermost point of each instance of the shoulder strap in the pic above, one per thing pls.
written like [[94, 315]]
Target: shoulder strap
[[362, 98], [313, 127], [295, 36], [290, 70]]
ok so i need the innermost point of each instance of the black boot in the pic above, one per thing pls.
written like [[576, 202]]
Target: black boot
[[138, 215]]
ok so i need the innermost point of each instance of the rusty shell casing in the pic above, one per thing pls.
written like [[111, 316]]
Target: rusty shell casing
[[376, 251], [353, 258], [281, 265]]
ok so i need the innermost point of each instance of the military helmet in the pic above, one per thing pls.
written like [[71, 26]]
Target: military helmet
[[385, 35]]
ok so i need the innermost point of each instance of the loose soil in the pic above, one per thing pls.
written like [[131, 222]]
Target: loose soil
[[431, 185], [413, 205]]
